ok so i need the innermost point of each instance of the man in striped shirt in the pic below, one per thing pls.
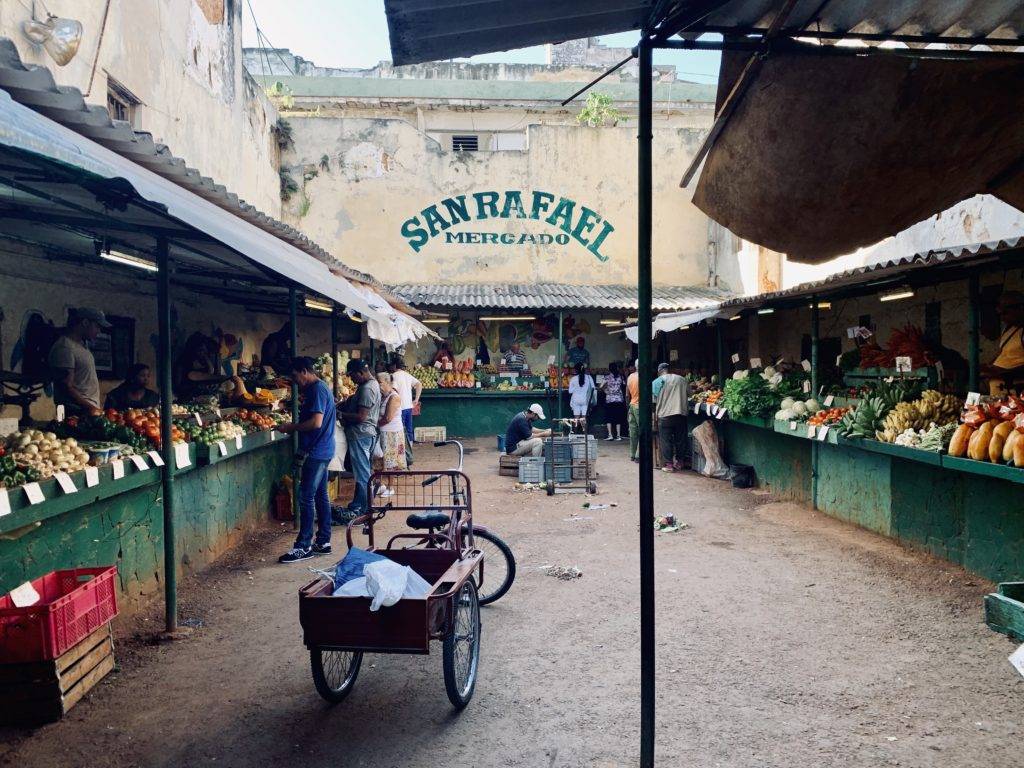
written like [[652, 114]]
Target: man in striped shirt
[[515, 358]]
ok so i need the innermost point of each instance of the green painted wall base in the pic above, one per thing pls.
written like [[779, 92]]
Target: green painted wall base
[[965, 517], [480, 414], [216, 506]]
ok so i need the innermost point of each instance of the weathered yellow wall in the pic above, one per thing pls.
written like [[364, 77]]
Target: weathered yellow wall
[[187, 72], [381, 172]]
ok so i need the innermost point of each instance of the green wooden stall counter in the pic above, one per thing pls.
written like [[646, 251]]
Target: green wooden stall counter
[[481, 413], [121, 521]]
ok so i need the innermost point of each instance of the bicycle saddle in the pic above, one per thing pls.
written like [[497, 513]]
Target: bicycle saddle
[[427, 520]]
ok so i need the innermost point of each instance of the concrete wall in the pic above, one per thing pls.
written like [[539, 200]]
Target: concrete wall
[[382, 172], [31, 283], [183, 60]]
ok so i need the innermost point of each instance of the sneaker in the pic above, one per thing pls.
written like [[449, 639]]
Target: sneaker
[[295, 554], [619, 439], [321, 549], [609, 438], [668, 468]]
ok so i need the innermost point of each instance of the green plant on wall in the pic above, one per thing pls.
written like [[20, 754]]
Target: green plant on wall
[[288, 185], [599, 111], [282, 93], [305, 205], [325, 163], [283, 134]]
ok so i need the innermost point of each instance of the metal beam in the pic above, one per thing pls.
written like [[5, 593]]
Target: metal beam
[[645, 141], [867, 37], [163, 302], [973, 324], [293, 322], [334, 349], [599, 78]]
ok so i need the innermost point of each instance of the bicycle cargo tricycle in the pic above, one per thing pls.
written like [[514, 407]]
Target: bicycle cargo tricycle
[[441, 548]]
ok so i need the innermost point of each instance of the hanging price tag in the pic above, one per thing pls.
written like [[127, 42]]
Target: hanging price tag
[[274, 435], [903, 364], [807, 387], [829, 400], [792, 426], [696, 408], [221, 448], [806, 365], [34, 493], [92, 477], [810, 431], [851, 332], [823, 433], [60, 413], [65, 482], [755, 362], [736, 358], [939, 371], [437, 364], [199, 420], [156, 458], [238, 442], [139, 462], [839, 360], [181, 457], [721, 413], [973, 398], [118, 466], [5, 503]]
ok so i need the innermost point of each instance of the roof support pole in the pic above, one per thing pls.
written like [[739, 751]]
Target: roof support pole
[[973, 313], [163, 312], [560, 360], [720, 352], [815, 327], [334, 349], [293, 342], [646, 481]]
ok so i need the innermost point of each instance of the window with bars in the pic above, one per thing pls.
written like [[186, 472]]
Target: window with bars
[[121, 103], [465, 143]]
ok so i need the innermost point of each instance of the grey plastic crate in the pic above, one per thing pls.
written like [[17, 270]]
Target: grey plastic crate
[[581, 443], [532, 469]]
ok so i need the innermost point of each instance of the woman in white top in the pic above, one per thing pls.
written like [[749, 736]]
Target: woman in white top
[[581, 391], [392, 433]]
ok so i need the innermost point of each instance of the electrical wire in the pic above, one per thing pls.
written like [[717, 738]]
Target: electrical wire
[[260, 36]]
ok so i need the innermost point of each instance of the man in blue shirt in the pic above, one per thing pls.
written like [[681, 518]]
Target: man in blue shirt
[[579, 354], [522, 438], [315, 428]]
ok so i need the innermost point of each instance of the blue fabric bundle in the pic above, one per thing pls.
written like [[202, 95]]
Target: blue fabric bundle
[[351, 566]]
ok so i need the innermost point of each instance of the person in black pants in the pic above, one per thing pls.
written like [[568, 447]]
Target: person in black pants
[[670, 392]]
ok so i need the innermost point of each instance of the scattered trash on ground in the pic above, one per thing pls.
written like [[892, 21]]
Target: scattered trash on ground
[[527, 487], [668, 524], [565, 573], [193, 623], [1017, 659], [575, 519], [588, 505]]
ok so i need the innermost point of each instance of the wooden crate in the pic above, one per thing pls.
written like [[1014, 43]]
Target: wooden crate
[[508, 465], [1004, 609], [43, 691]]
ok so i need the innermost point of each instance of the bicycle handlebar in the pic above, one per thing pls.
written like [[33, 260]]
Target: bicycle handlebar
[[457, 444]]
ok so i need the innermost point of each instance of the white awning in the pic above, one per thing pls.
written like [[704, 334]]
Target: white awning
[[670, 321], [399, 327], [24, 129]]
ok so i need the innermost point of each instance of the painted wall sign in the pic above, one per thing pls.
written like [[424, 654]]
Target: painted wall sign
[[576, 221]]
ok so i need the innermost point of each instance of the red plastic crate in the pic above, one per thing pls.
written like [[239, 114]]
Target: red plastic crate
[[72, 604]]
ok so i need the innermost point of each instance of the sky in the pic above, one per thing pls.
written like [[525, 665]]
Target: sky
[[354, 33]]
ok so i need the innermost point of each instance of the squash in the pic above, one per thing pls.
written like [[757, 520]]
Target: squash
[[977, 446], [999, 435], [1011, 440], [959, 441]]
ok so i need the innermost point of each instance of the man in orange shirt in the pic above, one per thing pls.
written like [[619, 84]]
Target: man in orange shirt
[[633, 387]]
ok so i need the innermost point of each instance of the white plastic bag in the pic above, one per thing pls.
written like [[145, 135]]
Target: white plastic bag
[[415, 585], [385, 581], [707, 439], [352, 588]]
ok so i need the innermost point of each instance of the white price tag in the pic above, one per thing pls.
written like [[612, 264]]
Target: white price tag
[[973, 398], [5, 503], [940, 371], [707, 409], [139, 462], [24, 596], [181, 458], [721, 413], [273, 435], [199, 421], [851, 332], [823, 433], [437, 364], [673, 355], [217, 411], [551, 359], [806, 365], [736, 358], [807, 387], [156, 458], [792, 426], [714, 410], [60, 413], [829, 400], [755, 362], [92, 477], [903, 364], [839, 360], [221, 448], [696, 408], [238, 442], [118, 467], [810, 431], [34, 493], [65, 482]]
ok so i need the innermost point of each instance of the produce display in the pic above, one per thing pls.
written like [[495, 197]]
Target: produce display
[[749, 396], [934, 438], [325, 369], [427, 375], [709, 396], [826, 417], [253, 421], [791, 409], [991, 431], [553, 377], [222, 430], [908, 341], [931, 408], [105, 430], [36, 455]]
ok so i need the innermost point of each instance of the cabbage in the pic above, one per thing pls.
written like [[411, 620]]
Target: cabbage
[[813, 406], [786, 414], [799, 408], [787, 402], [768, 372], [740, 374]]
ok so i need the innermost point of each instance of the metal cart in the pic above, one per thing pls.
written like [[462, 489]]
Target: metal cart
[[580, 470]]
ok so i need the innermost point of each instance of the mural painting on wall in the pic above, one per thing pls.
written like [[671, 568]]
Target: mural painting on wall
[[571, 220], [463, 334], [573, 328]]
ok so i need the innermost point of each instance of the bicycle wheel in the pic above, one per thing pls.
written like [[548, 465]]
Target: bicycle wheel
[[334, 672], [499, 566], [461, 654]]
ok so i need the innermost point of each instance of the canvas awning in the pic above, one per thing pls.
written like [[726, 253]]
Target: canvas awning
[[671, 321]]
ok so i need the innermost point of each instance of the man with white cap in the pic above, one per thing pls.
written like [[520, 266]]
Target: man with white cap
[[521, 438], [75, 383]]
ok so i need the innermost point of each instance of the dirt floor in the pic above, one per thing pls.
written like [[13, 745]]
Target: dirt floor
[[785, 639]]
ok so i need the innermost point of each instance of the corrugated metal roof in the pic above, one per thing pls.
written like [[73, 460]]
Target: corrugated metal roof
[[35, 87], [476, 90], [428, 30], [554, 296], [893, 270]]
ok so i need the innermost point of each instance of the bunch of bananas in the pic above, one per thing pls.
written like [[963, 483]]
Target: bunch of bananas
[[937, 407], [901, 418], [866, 419]]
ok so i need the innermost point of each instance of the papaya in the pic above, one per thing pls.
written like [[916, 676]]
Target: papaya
[[995, 445], [1018, 453], [1011, 440], [958, 443], [977, 446]]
